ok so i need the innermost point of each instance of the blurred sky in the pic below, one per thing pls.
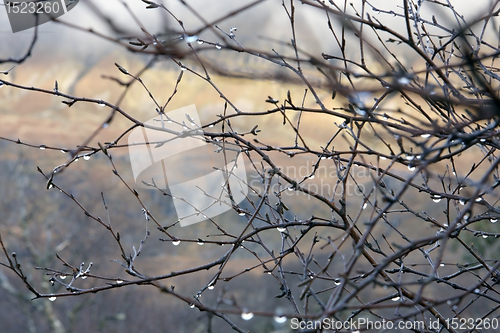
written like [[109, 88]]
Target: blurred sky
[[269, 17]]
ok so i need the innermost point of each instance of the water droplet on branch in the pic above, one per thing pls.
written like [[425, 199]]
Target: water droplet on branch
[[246, 315], [436, 198], [280, 319]]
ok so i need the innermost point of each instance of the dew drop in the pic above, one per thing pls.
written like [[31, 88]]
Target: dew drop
[[436, 199], [427, 135], [200, 243], [102, 104], [323, 157], [395, 299], [383, 157], [119, 281], [192, 306], [51, 186], [241, 213], [411, 168], [176, 242], [477, 291], [183, 68], [246, 315], [462, 202], [279, 319], [479, 199], [365, 205], [482, 140], [84, 277], [493, 220], [63, 151], [42, 147], [281, 229], [337, 282], [52, 299], [199, 41], [311, 177], [218, 46], [441, 265], [62, 277], [211, 287], [86, 157], [1, 84], [485, 236]]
